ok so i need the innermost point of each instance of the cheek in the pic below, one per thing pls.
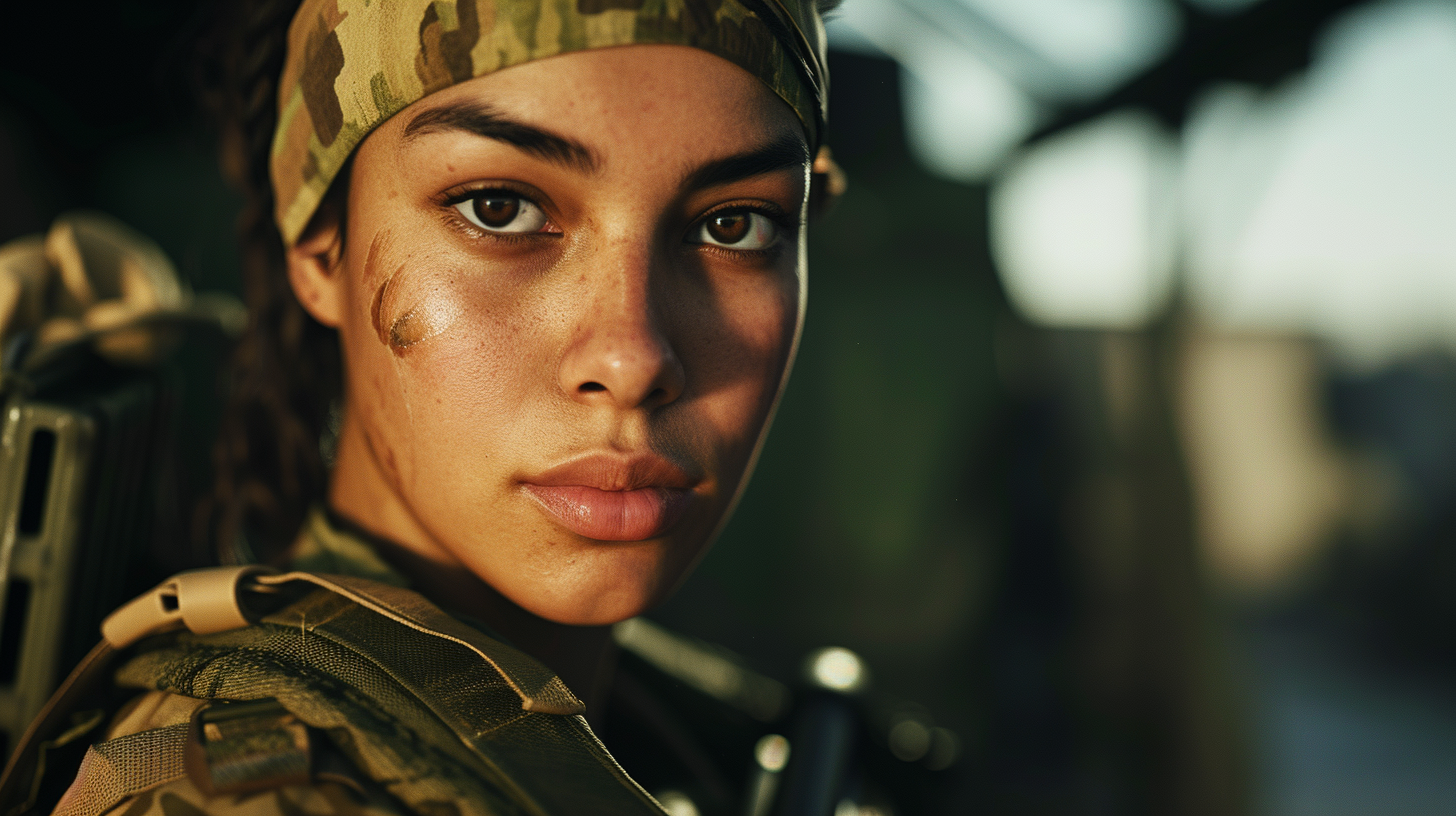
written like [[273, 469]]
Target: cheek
[[475, 376], [440, 360], [444, 316], [471, 365], [741, 356]]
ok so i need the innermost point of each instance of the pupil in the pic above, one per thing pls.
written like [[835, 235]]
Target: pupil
[[729, 229], [497, 212]]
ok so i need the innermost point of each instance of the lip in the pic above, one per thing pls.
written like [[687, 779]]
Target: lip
[[614, 498]]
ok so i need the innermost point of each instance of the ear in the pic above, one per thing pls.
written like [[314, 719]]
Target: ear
[[827, 183], [316, 269]]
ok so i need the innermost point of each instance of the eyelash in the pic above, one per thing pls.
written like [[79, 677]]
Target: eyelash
[[450, 198], [765, 209]]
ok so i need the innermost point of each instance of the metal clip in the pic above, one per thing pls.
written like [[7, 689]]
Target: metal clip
[[244, 746]]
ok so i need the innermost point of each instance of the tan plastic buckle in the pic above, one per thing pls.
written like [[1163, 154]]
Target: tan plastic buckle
[[205, 601]]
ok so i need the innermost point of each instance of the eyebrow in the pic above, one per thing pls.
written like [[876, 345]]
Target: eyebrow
[[781, 153], [484, 121]]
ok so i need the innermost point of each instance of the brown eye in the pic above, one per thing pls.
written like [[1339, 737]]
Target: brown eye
[[499, 211], [737, 230], [728, 229]]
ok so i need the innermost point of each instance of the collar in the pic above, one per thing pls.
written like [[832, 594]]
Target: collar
[[330, 545]]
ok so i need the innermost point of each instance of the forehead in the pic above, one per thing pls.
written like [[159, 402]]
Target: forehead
[[666, 99]]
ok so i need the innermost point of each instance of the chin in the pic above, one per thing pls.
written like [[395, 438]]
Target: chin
[[600, 591], [594, 610]]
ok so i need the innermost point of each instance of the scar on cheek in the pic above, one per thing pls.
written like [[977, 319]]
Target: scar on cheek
[[435, 313]]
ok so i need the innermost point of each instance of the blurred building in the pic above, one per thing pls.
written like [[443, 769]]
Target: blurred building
[[1224, 230]]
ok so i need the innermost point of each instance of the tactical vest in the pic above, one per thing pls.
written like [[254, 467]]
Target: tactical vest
[[444, 718]]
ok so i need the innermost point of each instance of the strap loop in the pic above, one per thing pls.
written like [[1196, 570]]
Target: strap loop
[[205, 601]]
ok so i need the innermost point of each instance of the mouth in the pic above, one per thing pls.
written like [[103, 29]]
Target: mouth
[[612, 498]]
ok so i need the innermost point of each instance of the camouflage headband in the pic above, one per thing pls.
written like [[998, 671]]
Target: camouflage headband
[[352, 64]]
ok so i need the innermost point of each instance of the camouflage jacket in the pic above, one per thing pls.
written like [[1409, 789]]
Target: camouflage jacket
[[352, 696]]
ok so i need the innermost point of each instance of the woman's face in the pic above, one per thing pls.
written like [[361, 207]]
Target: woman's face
[[567, 295]]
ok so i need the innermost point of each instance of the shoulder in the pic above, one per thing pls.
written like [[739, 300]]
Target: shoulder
[[440, 715]]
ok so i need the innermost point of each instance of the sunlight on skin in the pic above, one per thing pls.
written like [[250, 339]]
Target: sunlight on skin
[[561, 360]]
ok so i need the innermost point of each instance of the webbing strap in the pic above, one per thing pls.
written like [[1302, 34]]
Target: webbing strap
[[423, 715], [540, 690], [118, 768]]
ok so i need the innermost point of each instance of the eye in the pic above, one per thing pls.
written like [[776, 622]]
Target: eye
[[502, 211], [737, 230]]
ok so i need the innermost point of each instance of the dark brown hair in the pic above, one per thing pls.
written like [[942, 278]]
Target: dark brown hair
[[286, 371]]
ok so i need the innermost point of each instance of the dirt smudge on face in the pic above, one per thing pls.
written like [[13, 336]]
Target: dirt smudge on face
[[401, 327], [435, 313]]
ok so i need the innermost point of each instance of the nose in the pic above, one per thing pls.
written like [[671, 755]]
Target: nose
[[622, 355]]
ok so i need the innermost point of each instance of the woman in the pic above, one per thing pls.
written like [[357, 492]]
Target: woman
[[559, 251]]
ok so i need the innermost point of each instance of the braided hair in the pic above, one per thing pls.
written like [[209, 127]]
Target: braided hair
[[286, 369]]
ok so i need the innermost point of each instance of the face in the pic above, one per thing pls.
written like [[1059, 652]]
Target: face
[[567, 294]]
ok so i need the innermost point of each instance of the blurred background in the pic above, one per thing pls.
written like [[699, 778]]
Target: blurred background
[[1122, 444]]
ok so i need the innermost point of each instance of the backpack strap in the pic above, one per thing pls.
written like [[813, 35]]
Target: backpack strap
[[210, 601]]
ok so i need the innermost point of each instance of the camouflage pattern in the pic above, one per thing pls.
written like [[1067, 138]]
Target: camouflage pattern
[[352, 64], [136, 772], [181, 797], [144, 753]]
